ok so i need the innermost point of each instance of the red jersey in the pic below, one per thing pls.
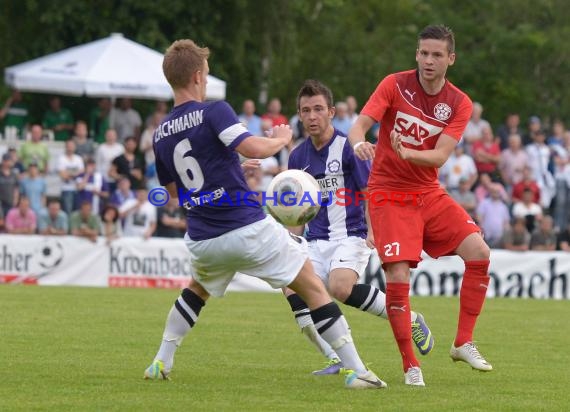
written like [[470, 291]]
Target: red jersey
[[399, 103], [277, 119], [519, 188], [493, 148]]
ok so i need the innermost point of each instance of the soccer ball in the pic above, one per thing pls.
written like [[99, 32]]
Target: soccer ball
[[293, 197]]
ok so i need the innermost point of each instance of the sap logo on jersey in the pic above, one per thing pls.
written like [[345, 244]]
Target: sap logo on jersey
[[414, 130]]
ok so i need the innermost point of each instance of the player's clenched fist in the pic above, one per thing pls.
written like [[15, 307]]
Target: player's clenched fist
[[283, 132], [364, 150], [396, 140]]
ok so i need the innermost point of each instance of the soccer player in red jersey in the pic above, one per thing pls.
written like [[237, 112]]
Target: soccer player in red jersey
[[422, 117]]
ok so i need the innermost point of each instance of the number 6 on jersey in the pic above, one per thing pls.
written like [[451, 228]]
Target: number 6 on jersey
[[187, 167]]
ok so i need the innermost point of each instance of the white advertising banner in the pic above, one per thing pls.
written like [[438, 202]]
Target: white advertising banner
[[530, 274], [165, 263], [52, 260], [126, 262]]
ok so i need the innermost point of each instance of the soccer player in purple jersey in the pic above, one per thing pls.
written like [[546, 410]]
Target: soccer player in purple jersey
[[195, 148], [339, 241]]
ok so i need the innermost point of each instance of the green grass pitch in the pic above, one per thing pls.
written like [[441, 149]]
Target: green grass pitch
[[85, 349]]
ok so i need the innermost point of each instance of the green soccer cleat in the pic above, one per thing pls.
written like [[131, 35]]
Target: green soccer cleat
[[332, 367], [156, 371], [421, 335]]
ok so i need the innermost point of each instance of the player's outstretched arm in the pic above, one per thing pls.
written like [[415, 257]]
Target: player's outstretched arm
[[256, 147], [357, 137]]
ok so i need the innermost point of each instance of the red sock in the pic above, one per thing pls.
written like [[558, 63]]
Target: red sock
[[471, 298], [398, 305]]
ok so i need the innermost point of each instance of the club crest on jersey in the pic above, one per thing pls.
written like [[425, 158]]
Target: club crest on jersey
[[333, 166], [442, 111], [413, 130]]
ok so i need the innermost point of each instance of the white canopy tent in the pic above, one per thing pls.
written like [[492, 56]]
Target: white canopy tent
[[109, 67]]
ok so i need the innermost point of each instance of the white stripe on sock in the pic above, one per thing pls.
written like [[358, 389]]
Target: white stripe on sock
[[187, 309]]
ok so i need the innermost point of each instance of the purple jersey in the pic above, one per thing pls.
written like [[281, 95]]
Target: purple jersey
[[335, 167], [194, 147]]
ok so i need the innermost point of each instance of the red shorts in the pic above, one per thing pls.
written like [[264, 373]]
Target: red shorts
[[430, 221]]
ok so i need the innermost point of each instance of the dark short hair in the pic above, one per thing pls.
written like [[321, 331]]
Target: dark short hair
[[22, 198], [113, 208], [315, 88], [439, 32]]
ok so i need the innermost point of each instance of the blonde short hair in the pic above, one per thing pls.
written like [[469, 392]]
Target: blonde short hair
[[182, 59]]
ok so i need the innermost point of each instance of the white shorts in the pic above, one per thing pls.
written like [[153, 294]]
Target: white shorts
[[263, 249], [350, 253]]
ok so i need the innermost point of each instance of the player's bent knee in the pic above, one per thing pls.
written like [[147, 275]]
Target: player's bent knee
[[198, 290], [398, 272], [310, 288], [474, 247], [483, 251], [340, 291], [341, 282], [287, 292], [479, 251]]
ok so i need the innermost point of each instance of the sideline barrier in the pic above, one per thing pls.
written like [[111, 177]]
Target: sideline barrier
[[165, 263]]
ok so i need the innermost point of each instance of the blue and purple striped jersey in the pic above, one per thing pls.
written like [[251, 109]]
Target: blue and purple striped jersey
[[194, 147], [335, 167]]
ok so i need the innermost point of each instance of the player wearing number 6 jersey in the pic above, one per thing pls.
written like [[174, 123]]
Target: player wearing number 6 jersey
[[422, 118], [195, 148]]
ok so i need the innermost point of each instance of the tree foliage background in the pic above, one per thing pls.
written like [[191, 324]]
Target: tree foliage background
[[512, 55]]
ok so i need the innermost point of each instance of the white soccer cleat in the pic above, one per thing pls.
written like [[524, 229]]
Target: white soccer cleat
[[414, 377], [367, 380], [469, 353]]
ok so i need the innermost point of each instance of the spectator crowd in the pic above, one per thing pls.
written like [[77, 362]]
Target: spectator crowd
[[513, 180]]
